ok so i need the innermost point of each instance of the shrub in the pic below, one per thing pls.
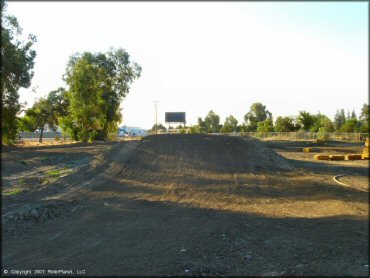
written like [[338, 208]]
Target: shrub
[[322, 134], [194, 129]]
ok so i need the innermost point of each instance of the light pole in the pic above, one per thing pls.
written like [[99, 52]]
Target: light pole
[[156, 124]]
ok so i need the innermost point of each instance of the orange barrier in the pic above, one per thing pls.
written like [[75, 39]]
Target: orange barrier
[[336, 157], [321, 157], [353, 157]]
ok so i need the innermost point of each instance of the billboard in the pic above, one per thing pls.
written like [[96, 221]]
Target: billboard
[[175, 117]]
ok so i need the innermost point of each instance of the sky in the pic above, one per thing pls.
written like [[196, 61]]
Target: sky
[[198, 56]]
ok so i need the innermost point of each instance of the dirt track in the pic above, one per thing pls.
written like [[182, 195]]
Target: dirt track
[[187, 205]]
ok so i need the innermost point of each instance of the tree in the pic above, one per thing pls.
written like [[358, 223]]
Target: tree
[[265, 126], [353, 115], [212, 122], [348, 115], [351, 125], [322, 122], [201, 125], [158, 127], [48, 110], [306, 120], [257, 113], [339, 119], [230, 124], [27, 123], [194, 129], [285, 124], [243, 128], [17, 61], [364, 118], [97, 84]]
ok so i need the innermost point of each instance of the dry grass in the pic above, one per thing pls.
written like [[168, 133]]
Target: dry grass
[[45, 143]]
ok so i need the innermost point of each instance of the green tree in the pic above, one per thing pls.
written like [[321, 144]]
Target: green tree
[[285, 124], [194, 129], [158, 127], [17, 62], [348, 115], [243, 128], [364, 118], [322, 122], [201, 125], [306, 120], [339, 119], [265, 126], [351, 125], [48, 111], [230, 124], [212, 122], [27, 123], [257, 113], [97, 85]]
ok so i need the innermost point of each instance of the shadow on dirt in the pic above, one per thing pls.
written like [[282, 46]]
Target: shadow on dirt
[[324, 168], [135, 237], [283, 145]]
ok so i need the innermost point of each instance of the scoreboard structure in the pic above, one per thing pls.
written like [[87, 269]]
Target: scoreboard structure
[[175, 117]]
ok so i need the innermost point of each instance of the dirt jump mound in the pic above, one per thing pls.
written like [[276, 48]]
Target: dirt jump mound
[[211, 153]]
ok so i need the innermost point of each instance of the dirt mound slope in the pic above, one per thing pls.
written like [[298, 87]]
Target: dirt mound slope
[[207, 153]]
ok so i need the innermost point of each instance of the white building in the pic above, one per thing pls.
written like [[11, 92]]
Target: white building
[[131, 131]]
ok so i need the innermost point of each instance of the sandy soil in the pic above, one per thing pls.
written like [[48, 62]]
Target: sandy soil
[[184, 205]]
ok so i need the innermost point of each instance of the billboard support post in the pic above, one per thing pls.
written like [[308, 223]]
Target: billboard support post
[[156, 122], [175, 117]]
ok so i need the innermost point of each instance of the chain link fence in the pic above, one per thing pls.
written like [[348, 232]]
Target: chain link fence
[[291, 136], [305, 136], [46, 136]]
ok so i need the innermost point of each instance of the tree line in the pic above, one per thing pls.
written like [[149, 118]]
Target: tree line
[[259, 119], [88, 110]]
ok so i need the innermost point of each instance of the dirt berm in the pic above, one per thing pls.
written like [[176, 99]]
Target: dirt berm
[[197, 205]]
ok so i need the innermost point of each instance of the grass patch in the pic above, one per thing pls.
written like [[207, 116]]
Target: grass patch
[[45, 182], [45, 158], [23, 162], [14, 191], [54, 173]]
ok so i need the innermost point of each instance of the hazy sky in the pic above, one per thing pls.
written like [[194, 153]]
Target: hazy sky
[[223, 56]]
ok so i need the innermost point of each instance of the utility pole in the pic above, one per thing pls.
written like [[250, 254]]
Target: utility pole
[[156, 123]]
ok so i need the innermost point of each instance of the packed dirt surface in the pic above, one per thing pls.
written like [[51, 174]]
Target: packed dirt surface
[[183, 205]]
